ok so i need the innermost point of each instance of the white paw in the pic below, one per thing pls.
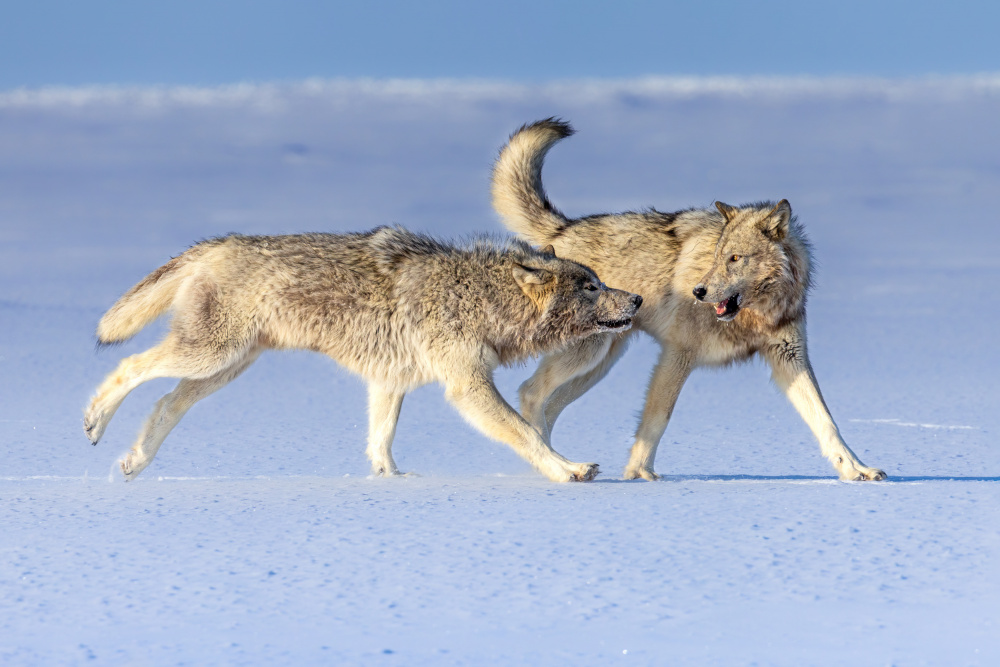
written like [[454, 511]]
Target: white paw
[[94, 424], [571, 472], [640, 472], [132, 464], [386, 470], [850, 472], [585, 472], [864, 474]]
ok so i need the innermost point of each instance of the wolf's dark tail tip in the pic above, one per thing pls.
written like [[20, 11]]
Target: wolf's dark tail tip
[[558, 125], [554, 124], [101, 345]]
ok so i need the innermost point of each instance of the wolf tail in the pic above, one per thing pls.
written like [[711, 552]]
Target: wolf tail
[[518, 195], [142, 304]]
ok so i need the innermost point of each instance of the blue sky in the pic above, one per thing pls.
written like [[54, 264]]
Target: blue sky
[[205, 42]]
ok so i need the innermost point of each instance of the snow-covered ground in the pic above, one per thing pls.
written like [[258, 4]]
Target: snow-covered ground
[[256, 535]]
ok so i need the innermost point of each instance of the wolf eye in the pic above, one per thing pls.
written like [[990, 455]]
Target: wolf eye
[[590, 287], [735, 258]]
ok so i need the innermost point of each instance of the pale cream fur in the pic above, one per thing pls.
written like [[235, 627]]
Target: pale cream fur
[[399, 309], [719, 286]]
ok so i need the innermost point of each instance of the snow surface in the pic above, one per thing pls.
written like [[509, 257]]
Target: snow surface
[[256, 534]]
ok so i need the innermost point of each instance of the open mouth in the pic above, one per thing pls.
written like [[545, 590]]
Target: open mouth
[[726, 310], [615, 325]]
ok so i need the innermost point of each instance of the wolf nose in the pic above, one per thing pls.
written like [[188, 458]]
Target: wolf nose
[[637, 300], [699, 292]]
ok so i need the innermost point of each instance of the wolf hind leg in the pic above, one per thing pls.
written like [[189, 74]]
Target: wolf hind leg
[[162, 360], [563, 377], [477, 399], [581, 384], [383, 414], [171, 408], [669, 375]]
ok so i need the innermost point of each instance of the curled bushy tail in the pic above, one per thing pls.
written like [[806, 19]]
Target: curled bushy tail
[[518, 195], [142, 304]]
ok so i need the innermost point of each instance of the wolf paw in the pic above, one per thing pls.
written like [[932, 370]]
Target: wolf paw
[[586, 472], [639, 472], [868, 475], [861, 473], [127, 470], [93, 425], [132, 465], [387, 470]]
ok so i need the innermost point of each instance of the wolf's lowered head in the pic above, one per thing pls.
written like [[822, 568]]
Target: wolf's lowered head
[[753, 265], [573, 295]]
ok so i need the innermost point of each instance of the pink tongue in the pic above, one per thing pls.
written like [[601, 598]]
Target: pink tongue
[[720, 307]]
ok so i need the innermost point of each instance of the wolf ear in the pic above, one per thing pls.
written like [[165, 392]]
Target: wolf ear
[[727, 211], [527, 276], [549, 250], [775, 225]]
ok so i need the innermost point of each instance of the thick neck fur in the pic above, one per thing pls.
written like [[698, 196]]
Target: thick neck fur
[[473, 286]]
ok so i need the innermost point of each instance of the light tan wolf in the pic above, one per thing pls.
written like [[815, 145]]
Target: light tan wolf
[[397, 308], [747, 267]]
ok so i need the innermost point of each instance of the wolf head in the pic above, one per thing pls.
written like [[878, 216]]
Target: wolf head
[[761, 262], [571, 298]]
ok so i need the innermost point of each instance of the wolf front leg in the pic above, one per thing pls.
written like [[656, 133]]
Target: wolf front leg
[[671, 371], [477, 399], [383, 413], [792, 372]]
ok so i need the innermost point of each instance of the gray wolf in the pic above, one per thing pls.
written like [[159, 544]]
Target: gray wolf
[[720, 286], [399, 309]]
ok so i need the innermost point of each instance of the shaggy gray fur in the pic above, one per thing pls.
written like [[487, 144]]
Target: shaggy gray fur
[[397, 308]]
